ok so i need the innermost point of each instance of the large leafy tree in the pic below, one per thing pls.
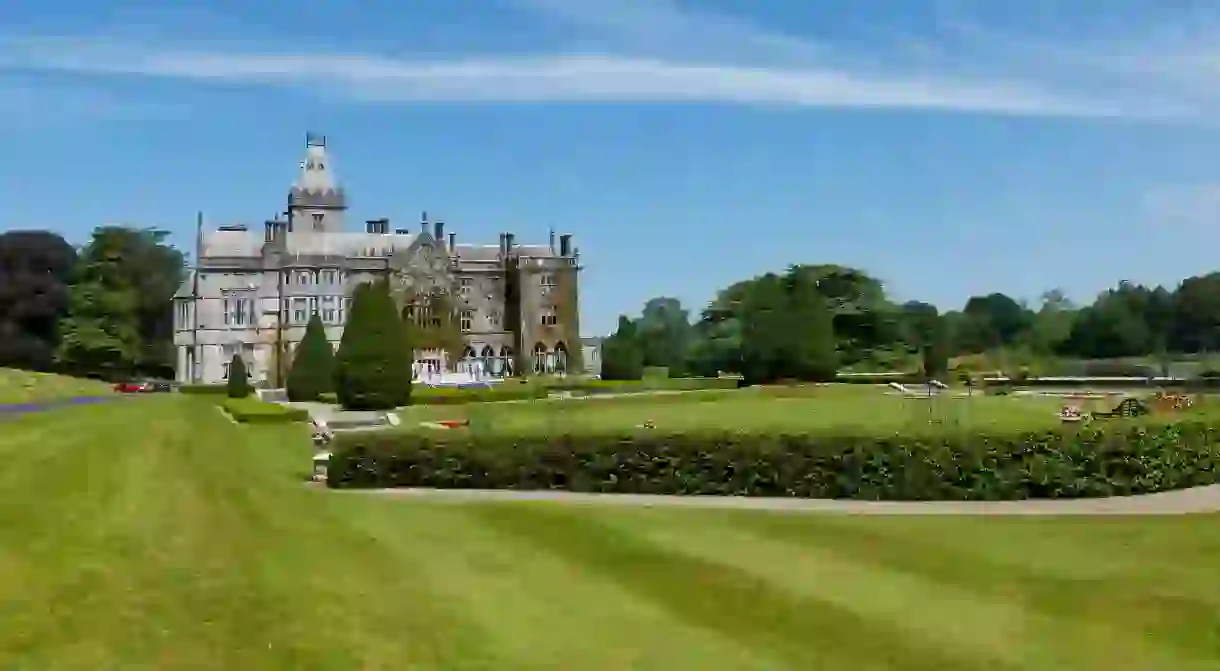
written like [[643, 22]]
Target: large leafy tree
[[373, 367], [101, 333], [35, 270], [313, 367], [622, 358]]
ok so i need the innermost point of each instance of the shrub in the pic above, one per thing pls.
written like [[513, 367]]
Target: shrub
[[458, 396], [373, 366], [1121, 458], [313, 370], [253, 411], [239, 383], [204, 389]]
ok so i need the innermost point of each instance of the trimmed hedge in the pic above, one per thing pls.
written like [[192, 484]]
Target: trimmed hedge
[[884, 378], [654, 384], [204, 389], [1194, 383], [1119, 458], [455, 396], [254, 411]]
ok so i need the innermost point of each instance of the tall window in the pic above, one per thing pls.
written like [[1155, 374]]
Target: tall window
[[465, 286], [329, 277], [317, 217], [238, 311], [328, 309], [227, 352], [467, 321], [299, 311], [313, 306], [305, 278], [548, 316]]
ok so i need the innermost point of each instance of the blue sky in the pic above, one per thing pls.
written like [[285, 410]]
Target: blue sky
[[949, 148]]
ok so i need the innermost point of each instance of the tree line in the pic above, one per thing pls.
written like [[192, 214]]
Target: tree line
[[811, 319], [103, 309]]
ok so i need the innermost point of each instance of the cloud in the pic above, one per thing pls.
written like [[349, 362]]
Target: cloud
[[33, 104], [658, 52], [1184, 204]]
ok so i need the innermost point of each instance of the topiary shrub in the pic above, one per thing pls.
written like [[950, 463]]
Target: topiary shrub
[[313, 368], [238, 385], [373, 365]]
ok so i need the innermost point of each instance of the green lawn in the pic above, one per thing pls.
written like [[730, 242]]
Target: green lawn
[[155, 534], [837, 407], [19, 386]]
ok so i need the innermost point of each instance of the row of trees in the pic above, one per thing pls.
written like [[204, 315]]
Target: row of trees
[[753, 327], [102, 309], [371, 370]]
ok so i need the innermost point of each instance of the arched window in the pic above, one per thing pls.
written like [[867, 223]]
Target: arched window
[[561, 358], [540, 358], [487, 360], [467, 363], [506, 359]]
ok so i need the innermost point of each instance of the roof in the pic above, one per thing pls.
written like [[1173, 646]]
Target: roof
[[250, 245], [187, 288]]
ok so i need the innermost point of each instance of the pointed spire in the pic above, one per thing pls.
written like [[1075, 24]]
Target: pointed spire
[[316, 175]]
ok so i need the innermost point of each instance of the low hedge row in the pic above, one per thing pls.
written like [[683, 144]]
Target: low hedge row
[[250, 410], [421, 395], [1103, 460], [1194, 383], [204, 389]]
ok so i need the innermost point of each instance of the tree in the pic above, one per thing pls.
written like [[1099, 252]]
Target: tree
[[100, 334], [935, 349], [765, 331], [313, 370], [621, 355], [812, 354], [238, 382], [373, 365], [154, 270], [664, 334], [35, 270]]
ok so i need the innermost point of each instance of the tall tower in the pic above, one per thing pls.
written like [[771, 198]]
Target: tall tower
[[316, 202]]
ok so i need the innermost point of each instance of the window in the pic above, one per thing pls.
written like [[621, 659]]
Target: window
[[287, 277], [299, 314], [238, 311], [328, 277], [548, 317], [313, 306], [548, 280], [317, 216], [184, 315], [305, 278], [328, 309], [493, 320], [467, 321], [466, 284], [227, 353]]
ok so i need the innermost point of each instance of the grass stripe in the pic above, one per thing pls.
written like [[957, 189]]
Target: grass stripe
[[804, 632]]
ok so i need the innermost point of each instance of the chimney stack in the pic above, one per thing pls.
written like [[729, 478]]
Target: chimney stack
[[438, 231], [377, 226], [508, 242], [453, 244], [268, 231], [565, 244], [503, 251], [423, 221]]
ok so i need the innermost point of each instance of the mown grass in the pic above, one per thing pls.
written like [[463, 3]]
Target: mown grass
[[157, 535], [837, 407], [19, 386]]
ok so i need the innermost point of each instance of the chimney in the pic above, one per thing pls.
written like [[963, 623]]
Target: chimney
[[565, 244], [508, 242], [384, 226], [438, 231], [453, 244], [423, 222], [503, 251], [372, 225], [268, 231], [552, 241]]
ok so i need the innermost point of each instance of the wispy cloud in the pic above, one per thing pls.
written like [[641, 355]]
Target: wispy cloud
[[1184, 205], [30, 104], [637, 51]]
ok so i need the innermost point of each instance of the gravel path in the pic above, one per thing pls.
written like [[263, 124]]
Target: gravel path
[[1197, 500]]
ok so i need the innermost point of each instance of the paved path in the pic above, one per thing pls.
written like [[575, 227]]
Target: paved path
[[1197, 500]]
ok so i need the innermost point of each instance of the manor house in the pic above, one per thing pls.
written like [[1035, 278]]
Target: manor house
[[253, 290]]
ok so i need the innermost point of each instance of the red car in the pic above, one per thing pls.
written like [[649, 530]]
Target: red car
[[141, 387]]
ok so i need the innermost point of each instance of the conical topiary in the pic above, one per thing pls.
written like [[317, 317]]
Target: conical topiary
[[239, 382], [373, 366], [313, 368]]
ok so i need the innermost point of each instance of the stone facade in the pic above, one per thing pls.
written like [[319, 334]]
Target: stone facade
[[253, 290]]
